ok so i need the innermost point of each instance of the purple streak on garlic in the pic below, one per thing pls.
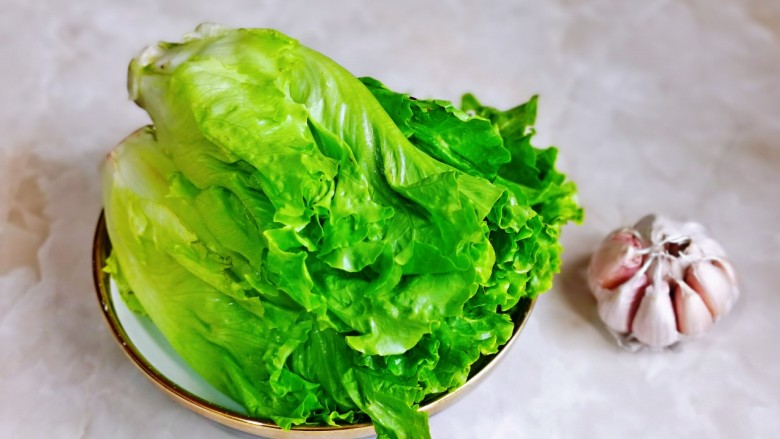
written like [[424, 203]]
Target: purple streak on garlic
[[617, 260], [661, 281]]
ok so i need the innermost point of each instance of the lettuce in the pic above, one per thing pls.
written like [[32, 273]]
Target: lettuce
[[318, 247]]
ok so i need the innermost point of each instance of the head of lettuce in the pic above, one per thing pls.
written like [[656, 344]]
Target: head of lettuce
[[316, 246]]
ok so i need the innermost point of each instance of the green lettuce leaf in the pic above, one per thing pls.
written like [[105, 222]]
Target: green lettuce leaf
[[318, 247]]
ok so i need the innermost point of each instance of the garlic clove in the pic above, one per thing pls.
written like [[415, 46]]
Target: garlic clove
[[727, 267], [714, 285], [618, 309], [655, 323], [732, 275], [616, 260], [693, 316]]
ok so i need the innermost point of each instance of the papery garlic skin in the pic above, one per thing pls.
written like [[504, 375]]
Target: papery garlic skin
[[661, 281]]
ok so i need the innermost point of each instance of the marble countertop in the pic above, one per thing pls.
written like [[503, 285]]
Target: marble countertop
[[658, 106]]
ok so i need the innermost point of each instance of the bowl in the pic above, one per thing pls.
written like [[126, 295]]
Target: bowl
[[147, 348]]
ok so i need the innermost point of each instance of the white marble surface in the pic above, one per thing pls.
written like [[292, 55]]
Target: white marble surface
[[663, 106]]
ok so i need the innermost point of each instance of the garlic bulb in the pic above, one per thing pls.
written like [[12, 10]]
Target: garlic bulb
[[661, 281]]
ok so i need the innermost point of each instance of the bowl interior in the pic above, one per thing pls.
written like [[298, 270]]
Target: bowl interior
[[150, 344]]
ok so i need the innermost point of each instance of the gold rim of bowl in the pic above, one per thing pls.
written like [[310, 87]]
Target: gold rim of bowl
[[101, 249]]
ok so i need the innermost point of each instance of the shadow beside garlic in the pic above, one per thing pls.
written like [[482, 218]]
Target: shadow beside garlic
[[572, 281]]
